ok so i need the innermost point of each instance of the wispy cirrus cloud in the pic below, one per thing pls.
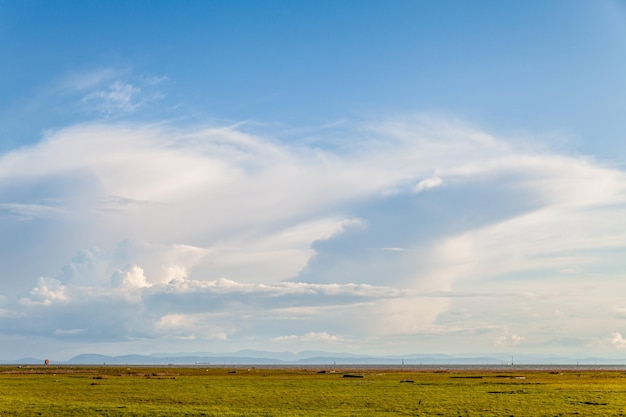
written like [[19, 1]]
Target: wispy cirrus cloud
[[118, 97], [81, 81], [111, 91], [28, 211]]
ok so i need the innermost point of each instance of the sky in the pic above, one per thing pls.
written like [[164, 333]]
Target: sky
[[371, 177]]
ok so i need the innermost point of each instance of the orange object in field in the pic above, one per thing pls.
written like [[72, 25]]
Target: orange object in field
[[47, 362]]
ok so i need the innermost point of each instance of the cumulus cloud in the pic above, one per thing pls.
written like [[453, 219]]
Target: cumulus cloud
[[617, 340], [131, 264], [209, 229], [47, 292], [129, 277], [211, 311]]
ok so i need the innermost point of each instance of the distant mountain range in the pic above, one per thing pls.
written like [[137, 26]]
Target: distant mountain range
[[253, 357]]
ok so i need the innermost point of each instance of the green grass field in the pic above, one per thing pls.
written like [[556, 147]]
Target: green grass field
[[170, 391]]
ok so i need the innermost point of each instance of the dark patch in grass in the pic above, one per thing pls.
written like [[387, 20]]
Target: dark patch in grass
[[352, 376], [593, 403], [468, 377], [408, 380], [507, 392]]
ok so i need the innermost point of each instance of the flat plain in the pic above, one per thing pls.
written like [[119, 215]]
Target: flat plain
[[315, 391]]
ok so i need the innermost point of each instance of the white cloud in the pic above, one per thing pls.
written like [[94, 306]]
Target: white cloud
[[620, 311], [129, 277], [118, 97], [7, 313], [279, 255], [30, 211], [187, 309], [108, 91], [570, 270], [68, 332], [507, 340], [48, 291], [406, 315], [427, 184], [133, 263], [154, 80], [189, 326], [80, 81], [172, 211], [617, 340], [309, 337]]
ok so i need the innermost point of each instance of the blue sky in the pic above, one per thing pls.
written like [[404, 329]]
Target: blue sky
[[375, 177]]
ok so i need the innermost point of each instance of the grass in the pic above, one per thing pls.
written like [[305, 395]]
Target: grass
[[137, 391]]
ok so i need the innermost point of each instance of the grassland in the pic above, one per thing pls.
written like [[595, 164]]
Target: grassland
[[169, 391]]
